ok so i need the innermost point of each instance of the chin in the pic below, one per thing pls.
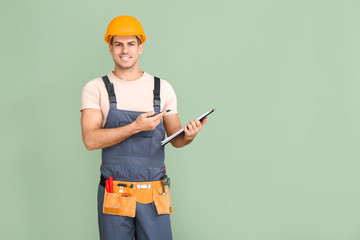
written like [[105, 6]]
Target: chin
[[126, 66]]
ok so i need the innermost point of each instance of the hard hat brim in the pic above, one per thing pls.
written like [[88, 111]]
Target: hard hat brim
[[108, 37]]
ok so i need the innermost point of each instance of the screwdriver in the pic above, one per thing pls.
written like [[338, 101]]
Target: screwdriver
[[164, 182], [107, 186], [111, 186]]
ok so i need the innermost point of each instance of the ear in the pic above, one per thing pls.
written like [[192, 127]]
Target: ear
[[111, 49], [141, 47]]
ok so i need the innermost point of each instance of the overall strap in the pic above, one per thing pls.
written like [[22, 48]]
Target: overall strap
[[157, 94], [110, 89]]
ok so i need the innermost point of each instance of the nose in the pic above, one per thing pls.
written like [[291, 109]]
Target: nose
[[125, 49]]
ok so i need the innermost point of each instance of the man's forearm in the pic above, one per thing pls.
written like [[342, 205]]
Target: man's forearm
[[106, 137], [181, 141]]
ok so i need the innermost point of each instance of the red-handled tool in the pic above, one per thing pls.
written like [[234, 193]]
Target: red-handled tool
[[107, 186], [111, 186]]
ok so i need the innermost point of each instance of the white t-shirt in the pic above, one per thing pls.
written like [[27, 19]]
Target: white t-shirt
[[134, 95]]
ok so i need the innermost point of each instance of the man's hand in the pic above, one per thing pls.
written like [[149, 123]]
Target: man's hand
[[172, 125], [145, 121], [192, 129], [96, 137]]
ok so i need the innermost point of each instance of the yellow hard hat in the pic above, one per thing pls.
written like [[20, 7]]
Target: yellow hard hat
[[124, 25]]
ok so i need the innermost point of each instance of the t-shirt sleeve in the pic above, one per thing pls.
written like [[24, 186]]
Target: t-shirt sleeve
[[171, 101], [90, 97]]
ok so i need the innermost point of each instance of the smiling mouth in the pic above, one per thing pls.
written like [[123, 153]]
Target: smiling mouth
[[125, 58]]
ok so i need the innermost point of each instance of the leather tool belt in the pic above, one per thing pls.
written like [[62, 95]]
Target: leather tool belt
[[122, 201]]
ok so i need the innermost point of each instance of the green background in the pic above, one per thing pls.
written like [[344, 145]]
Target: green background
[[278, 160]]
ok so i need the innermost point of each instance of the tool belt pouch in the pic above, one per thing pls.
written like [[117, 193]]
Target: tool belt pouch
[[162, 201], [115, 204]]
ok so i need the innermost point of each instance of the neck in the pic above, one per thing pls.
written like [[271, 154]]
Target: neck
[[128, 74]]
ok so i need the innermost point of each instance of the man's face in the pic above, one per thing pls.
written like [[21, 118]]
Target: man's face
[[125, 51]]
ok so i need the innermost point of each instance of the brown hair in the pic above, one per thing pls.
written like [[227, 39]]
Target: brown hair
[[138, 40]]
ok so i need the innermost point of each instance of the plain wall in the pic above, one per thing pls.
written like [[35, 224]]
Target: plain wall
[[278, 160]]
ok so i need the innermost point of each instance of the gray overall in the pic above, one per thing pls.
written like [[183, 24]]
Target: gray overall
[[139, 158]]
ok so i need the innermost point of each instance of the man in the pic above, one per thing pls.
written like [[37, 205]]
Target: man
[[118, 116]]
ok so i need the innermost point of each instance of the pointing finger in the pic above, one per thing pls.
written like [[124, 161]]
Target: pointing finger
[[148, 114]]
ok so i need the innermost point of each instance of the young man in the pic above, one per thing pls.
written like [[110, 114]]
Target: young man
[[118, 116]]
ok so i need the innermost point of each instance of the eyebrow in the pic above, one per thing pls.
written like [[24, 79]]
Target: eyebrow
[[123, 42]]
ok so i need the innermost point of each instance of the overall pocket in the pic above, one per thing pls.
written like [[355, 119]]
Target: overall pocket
[[138, 145], [117, 205], [162, 201]]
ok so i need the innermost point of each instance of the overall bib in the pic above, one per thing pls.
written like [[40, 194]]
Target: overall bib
[[140, 158]]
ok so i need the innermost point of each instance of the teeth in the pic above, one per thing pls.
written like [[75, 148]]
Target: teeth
[[125, 58]]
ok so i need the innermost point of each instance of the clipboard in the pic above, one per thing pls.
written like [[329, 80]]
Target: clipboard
[[167, 140]]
